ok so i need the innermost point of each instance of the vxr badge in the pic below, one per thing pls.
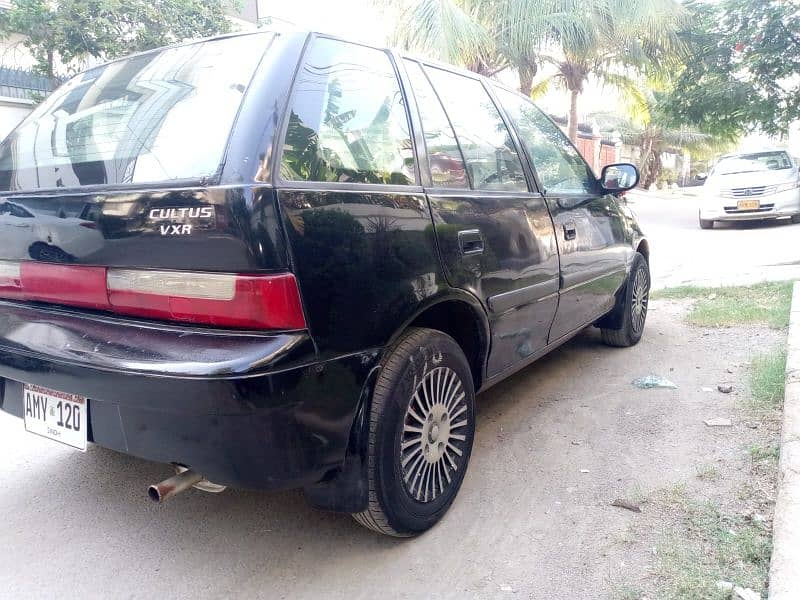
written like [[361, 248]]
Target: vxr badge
[[182, 220]]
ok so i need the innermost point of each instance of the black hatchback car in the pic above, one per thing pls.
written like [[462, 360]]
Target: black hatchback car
[[288, 260]]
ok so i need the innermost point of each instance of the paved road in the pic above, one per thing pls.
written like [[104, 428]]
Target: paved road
[[731, 253], [528, 523]]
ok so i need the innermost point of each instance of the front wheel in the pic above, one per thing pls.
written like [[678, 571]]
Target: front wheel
[[633, 307], [421, 427], [705, 223]]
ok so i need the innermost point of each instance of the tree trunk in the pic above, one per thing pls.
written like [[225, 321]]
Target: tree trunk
[[525, 82], [573, 116], [526, 74]]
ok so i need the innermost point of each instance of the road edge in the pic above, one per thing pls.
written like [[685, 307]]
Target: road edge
[[784, 572]]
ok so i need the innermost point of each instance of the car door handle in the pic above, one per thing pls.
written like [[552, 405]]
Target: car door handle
[[570, 232], [470, 241]]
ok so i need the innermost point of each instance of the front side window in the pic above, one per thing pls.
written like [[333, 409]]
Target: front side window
[[490, 156], [446, 163], [348, 120], [153, 117], [559, 166]]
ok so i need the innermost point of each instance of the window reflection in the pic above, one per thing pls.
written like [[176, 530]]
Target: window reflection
[[491, 159], [558, 165], [153, 117], [348, 122], [444, 156]]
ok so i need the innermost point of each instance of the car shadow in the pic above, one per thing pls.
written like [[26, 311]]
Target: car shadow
[[752, 224]]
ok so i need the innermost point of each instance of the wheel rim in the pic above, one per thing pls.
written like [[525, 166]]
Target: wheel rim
[[434, 435], [639, 299]]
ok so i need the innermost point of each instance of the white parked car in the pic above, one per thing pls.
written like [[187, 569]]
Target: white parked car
[[47, 237], [757, 185]]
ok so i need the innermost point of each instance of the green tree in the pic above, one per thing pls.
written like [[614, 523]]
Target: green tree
[[70, 30], [619, 43], [745, 56], [486, 36]]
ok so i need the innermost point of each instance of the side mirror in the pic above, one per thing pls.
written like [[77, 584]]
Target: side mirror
[[619, 177], [701, 176]]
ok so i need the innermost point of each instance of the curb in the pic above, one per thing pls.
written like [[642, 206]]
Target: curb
[[784, 573]]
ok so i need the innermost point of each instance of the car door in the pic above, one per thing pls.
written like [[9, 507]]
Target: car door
[[494, 234], [589, 225]]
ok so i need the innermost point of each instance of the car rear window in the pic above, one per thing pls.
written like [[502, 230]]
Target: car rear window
[[153, 117]]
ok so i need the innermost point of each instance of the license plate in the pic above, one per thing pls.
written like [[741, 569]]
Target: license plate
[[56, 415], [748, 205]]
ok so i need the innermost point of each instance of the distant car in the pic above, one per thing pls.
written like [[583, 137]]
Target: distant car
[[758, 185], [47, 237]]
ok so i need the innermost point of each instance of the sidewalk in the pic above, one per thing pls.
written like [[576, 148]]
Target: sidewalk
[[785, 563]]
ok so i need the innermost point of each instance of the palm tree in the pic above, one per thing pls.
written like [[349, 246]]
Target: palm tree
[[616, 42], [485, 36]]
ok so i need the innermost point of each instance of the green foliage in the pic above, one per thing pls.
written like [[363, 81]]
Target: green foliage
[[764, 304], [71, 30], [745, 55]]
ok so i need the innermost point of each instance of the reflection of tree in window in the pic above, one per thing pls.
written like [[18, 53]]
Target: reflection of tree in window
[[348, 121], [491, 159], [558, 165], [446, 162]]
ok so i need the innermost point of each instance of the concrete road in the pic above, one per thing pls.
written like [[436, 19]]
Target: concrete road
[[528, 523], [731, 253], [555, 445]]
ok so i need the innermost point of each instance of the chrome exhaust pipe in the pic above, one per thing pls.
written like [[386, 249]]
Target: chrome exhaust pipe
[[176, 484]]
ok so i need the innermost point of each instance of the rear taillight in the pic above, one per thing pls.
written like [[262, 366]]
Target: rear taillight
[[223, 300]]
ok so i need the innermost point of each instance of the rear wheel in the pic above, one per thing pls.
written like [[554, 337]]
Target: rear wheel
[[633, 308], [421, 428]]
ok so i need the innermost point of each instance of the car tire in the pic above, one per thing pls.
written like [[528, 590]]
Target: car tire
[[705, 223], [795, 219], [421, 429], [633, 308]]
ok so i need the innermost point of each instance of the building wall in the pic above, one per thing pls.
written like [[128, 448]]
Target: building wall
[[11, 113]]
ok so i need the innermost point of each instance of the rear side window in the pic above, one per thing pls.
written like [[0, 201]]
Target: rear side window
[[444, 157], [490, 156], [153, 117], [348, 120], [558, 165]]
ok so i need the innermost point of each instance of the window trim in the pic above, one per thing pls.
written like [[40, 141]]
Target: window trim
[[540, 185], [343, 185], [429, 183]]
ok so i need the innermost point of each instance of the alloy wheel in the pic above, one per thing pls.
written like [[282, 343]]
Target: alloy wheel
[[434, 435]]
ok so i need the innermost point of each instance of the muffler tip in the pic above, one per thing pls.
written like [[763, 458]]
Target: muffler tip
[[159, 492]]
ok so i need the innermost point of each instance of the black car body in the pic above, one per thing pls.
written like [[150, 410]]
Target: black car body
[[352, 194]]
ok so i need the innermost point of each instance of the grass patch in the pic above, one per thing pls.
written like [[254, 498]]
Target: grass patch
[[706, 472], [764, 303], [710, 546], [764, 453], [768, 380]]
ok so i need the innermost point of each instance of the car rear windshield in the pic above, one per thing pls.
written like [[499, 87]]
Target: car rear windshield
[[748, 163], [153, 117]]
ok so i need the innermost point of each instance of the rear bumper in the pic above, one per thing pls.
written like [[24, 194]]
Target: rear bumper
[[245, 410]]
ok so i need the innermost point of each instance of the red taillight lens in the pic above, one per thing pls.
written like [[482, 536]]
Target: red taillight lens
[[245, 301], [223, 300]]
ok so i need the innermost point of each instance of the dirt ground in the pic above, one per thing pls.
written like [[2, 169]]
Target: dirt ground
[[555, 445]]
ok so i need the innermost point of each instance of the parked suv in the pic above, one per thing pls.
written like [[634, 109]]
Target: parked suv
[[758, 185], [312, 255]]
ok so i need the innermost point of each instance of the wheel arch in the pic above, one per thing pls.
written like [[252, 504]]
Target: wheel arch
[[462, 317], [643, 248]]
